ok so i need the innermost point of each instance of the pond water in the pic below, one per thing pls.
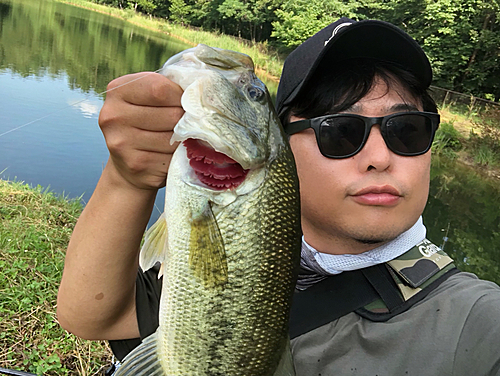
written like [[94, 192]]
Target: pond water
[[55, 63]]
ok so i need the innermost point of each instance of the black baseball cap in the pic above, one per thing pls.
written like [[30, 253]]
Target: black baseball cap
[[347, 39]]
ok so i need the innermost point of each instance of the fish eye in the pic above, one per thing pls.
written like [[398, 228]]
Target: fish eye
[[255, 93]]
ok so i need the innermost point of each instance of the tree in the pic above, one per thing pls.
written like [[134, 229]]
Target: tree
[[461, 38], [146, 6], [263, 14], [463, 43], [235, 10], [179, 11], [161, 8], [204, 13], [300, 19], [250, 19]]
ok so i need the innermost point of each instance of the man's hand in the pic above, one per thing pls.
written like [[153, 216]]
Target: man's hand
[[137, 120]]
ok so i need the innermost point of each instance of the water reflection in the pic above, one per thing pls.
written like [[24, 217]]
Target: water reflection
[[463, 214], [89, 109], [49, 38]]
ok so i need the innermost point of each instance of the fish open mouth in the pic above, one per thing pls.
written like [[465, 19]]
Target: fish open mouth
[[212, 168]]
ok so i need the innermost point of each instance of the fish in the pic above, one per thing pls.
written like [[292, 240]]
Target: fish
[[229, 238]]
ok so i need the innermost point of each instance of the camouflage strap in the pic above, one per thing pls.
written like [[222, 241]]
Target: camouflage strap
[[416, 273], [418, 266], [377, 293]]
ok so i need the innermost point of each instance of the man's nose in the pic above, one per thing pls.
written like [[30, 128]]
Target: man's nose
[[375, 155]]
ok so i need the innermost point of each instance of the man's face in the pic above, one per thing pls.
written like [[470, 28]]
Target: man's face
[[356, 204]]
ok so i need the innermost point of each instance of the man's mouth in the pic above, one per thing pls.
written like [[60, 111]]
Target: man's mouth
[[212, 168], [377, 196]]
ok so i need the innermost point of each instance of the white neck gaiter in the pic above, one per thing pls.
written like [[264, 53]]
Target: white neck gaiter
[[325, 264]]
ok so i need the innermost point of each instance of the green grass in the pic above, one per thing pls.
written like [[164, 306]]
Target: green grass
[[474, 140], [447, 140], [267, 61], [36, 227], [484, 156]]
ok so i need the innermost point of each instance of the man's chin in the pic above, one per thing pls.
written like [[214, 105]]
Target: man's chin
[[373, 241], [378, 238]]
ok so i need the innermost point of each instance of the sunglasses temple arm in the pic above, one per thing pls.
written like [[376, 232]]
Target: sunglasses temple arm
[[297, 126]]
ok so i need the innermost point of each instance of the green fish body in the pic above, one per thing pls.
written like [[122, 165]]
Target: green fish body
[[229, 239]]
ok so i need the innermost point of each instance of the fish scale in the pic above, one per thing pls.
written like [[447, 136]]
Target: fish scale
[[229, 258]]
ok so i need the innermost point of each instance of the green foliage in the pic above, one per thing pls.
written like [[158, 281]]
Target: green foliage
[[233, 8], [145, 6], [250, 19], [460, 37], [300, 19], [179, 11], [447, 140], [36, 226], [457, 37]]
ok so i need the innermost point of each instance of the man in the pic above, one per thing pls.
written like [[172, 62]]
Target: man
[[374, 296]]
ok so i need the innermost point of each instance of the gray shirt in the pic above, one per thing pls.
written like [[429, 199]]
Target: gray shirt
[[454, 331]]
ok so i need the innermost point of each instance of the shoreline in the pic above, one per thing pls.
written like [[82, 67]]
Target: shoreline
[[258, 69]]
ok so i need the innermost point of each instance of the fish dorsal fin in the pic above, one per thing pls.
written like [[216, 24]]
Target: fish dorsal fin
[[207, 256], [155, 243], [143, 360], [223, 59]]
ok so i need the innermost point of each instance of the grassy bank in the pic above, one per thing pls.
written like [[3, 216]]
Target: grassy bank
[[36, 226], [266, 60], [471, 140]]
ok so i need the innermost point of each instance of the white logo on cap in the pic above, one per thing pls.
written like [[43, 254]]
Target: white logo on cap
[[336, 30]]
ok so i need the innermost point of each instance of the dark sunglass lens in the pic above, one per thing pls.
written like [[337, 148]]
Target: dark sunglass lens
[[341, 136], [409, 134]]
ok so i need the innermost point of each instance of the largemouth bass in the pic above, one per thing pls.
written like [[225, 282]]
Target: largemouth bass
[[229, 238]]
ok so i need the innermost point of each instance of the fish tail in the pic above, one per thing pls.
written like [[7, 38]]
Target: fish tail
[[143, 360]]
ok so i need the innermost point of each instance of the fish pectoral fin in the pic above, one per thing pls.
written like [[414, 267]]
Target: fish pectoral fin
[[285, 366], [143, 360], [155, 243], [207, 256]]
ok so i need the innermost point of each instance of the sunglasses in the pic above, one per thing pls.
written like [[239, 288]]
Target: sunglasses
[[344, 135]]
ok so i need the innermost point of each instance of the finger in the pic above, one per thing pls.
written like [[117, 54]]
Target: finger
[[146, 89], [121, 114], [153, 119], [158, 142], [123, 140]]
